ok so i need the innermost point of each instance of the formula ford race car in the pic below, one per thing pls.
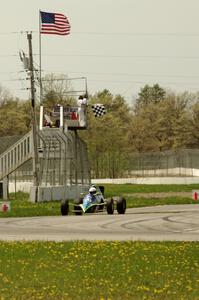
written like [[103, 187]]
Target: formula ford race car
[[94, 202]]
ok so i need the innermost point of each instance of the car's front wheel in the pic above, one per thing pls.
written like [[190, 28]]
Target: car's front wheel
[[110, 206]]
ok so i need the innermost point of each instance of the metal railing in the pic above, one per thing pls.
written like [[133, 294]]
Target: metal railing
[[63, 159], [16, 155]]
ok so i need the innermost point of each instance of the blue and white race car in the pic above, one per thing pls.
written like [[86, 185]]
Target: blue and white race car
[[94, 202]]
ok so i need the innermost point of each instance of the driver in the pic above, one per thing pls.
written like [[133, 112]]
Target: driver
[[92, 192]]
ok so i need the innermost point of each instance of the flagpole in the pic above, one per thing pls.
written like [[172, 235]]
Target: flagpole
[[40, 75]]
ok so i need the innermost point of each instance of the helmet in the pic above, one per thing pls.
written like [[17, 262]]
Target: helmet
[[92, 190]]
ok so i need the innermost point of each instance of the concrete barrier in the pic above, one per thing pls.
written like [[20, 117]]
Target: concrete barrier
[[148, 180], [57, 193]]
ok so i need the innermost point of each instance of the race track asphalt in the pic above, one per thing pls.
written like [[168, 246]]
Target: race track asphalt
[[169, 222]]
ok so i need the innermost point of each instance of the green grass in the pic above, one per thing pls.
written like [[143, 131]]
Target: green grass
[[21, 207], [142, 202], [113, 189], [99, 270]]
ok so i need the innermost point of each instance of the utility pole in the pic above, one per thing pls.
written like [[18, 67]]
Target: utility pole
[[34, 121]]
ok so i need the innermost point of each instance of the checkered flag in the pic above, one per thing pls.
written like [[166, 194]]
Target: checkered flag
[[98, 109]]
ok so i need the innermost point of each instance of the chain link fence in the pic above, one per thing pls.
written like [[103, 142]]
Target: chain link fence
[[64, 161], [184, 162]]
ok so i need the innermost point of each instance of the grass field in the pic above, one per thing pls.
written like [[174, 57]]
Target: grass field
[[113, 189], [99, 270], [21, 207]]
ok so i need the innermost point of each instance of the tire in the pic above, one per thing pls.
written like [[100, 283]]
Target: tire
[[110, 206], [77, 208], [121, 205], [64, 207]]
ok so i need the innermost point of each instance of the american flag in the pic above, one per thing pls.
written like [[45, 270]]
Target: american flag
[[54, 23]]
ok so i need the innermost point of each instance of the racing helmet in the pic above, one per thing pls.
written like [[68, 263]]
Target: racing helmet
[[92, 190]]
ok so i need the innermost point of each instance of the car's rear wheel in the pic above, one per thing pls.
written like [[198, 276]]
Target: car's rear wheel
[[77, 208], [110, 206], [121, 205], [64, 207]]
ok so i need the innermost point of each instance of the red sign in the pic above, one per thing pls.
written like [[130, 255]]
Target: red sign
[[195, 196], [5, 206]]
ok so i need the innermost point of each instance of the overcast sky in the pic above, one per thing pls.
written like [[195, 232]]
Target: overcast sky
[[120, 45]]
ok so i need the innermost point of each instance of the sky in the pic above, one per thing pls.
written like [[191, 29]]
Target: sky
[[120, 45]]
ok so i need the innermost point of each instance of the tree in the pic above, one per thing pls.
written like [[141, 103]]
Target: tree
[[5, 95], [55, 90], [163, 125], [195, 125], [148, 94], [107, 136], [13, 118]]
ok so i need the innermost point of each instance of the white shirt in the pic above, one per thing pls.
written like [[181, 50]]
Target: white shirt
[[82, 101]]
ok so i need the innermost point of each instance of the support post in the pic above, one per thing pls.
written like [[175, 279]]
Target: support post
[[5, 188], [61, 117], [41, 116], [76, 158]]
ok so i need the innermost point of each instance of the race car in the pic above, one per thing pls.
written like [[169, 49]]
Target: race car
[[94, 202]]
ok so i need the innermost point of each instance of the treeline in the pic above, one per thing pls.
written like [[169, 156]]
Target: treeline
[[159, 120]]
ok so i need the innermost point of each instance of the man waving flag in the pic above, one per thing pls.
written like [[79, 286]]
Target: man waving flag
[[54, 23]]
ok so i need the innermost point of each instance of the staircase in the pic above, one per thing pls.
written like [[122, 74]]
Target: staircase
[[62, 157], [57, 157], [16, 155], [63, 164]]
